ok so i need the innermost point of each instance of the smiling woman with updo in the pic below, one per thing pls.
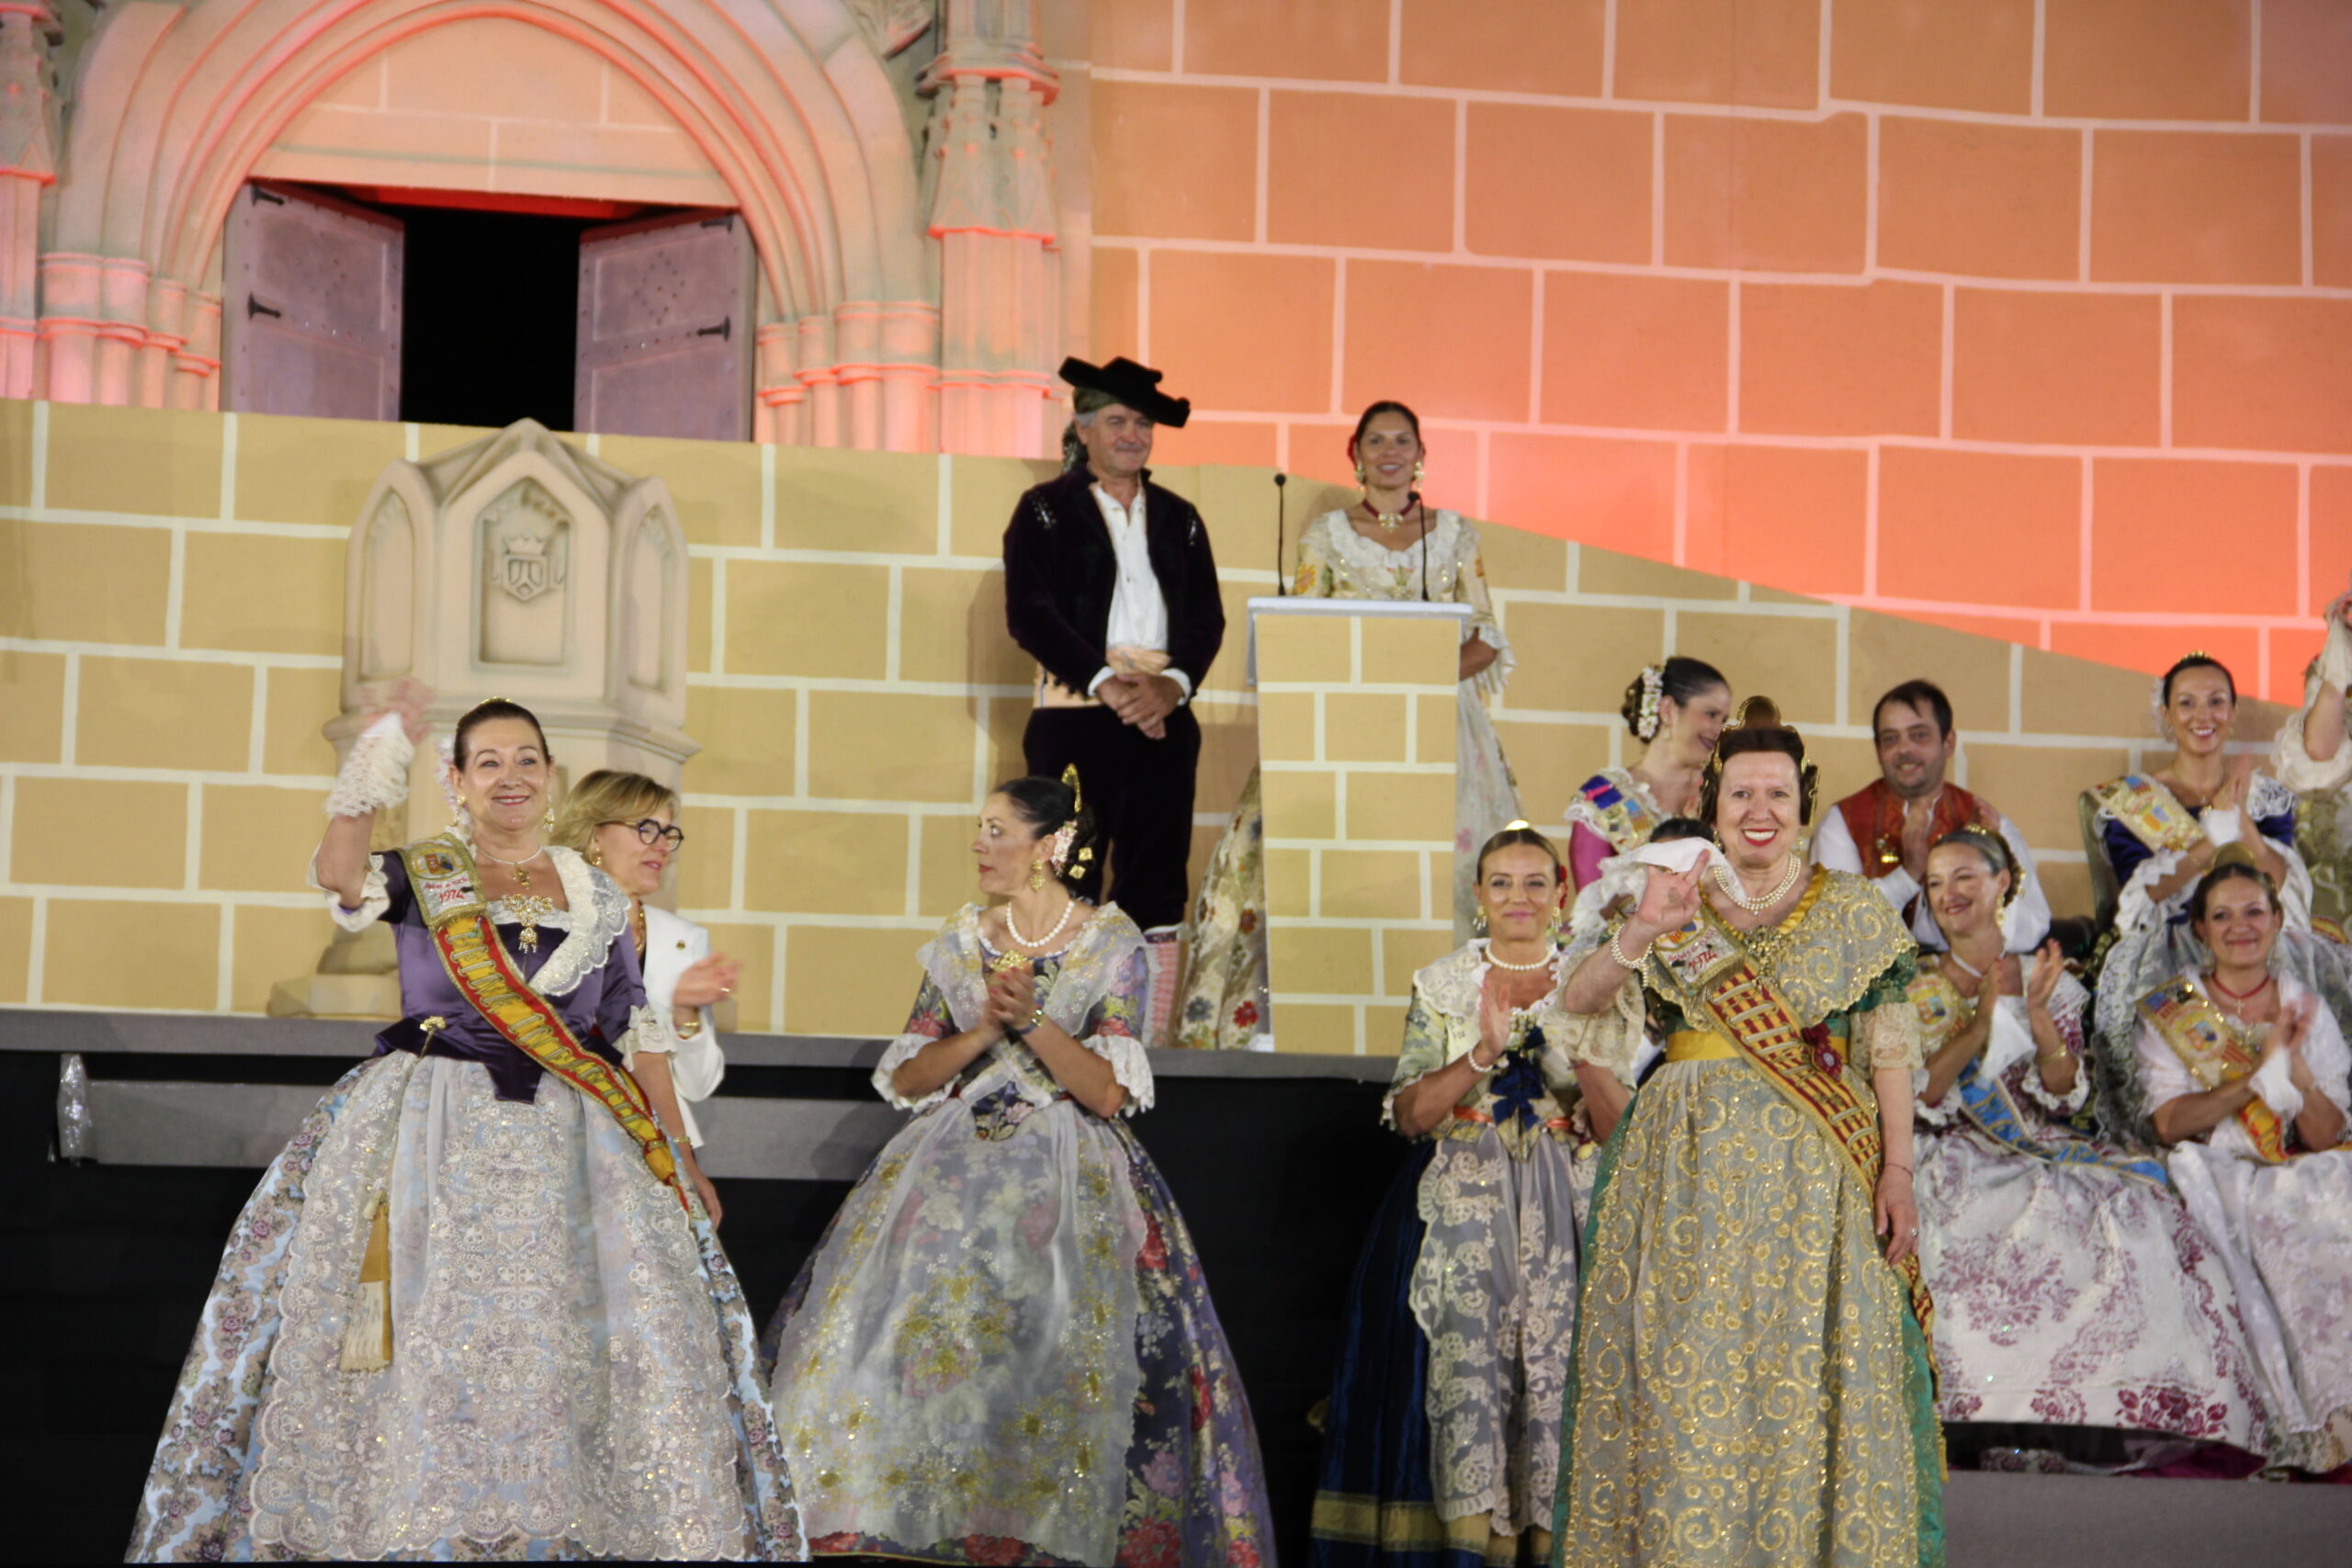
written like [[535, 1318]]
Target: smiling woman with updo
[[1751, 1380], [474, 1310], [1004, 1350]]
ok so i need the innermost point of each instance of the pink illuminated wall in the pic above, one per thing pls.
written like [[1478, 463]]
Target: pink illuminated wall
[[2030, 317]]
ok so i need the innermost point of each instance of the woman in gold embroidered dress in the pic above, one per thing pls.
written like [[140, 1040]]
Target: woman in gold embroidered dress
[[1004, 1350], [1675, 708], [475, 1308], [1750, 1382], [1444, 1431], [1391, 545], [2244, 1069]]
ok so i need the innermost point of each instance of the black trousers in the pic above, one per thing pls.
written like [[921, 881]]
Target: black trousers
[[1140, 792]]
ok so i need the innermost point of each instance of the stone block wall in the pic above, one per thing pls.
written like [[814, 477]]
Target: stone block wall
[[2028, 317], [171, 634]]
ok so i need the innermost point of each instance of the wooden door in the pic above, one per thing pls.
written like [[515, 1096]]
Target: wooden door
[[311, 306], [665, 328]]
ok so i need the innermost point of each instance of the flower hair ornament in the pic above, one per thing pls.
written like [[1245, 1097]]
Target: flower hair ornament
[[1645, 720]]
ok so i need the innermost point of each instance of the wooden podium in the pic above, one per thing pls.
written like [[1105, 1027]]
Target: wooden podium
[[1356, 726]]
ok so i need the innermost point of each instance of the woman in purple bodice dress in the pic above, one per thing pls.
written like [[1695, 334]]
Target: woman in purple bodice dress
[[476, 1308]]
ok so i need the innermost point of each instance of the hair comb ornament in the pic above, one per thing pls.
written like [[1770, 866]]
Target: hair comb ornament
[[1067, 834]]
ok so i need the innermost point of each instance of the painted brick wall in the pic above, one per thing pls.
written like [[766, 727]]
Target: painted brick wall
[[2028, 317], [170, 635]]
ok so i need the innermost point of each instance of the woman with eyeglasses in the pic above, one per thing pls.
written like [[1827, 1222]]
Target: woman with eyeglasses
[[625, 824]]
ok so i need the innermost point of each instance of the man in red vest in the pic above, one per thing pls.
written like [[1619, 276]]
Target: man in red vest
[[1884, 831]]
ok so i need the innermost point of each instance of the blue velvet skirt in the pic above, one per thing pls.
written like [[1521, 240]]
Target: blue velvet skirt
[[1372, 1497]]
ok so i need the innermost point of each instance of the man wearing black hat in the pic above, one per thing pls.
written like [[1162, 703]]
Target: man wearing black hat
[[1110, 585]]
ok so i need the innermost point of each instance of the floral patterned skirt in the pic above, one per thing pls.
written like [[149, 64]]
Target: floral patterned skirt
[[572, 1370], [1190, 1490], [2077, 1296], [2284, 1232]]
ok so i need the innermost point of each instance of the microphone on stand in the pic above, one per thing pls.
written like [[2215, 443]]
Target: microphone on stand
[[1282, 582]]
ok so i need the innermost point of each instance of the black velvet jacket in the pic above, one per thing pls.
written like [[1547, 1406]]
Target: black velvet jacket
[[1059, 570]]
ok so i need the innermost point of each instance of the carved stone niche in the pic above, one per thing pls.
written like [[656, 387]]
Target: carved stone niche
[[519, 567]]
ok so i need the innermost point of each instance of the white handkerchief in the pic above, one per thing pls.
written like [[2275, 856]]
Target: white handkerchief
[[1675, 854]]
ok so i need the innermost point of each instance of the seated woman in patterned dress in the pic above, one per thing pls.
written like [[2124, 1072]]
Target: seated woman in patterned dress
[[2244, 1071], [1676, 708], [2071, 1286], [1004, 1351], [1442, 1443]]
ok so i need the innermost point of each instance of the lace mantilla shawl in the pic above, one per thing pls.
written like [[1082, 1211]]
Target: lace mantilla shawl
[[1338, 562], [957, 960]]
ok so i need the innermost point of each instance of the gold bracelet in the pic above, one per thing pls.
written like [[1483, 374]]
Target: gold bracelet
[[1617, 953], [687, 1031]]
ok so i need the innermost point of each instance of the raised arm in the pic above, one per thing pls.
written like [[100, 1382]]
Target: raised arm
[[1668, 901], [374, 776]]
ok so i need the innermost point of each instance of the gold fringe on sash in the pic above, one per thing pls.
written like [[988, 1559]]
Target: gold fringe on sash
[[368, 1338]]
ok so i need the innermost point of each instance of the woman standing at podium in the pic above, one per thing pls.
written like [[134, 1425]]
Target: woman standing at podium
[[1391, 545], [475, 1309]]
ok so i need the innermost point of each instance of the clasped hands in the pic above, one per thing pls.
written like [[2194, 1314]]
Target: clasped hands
[[1013, 998], [1142, 700]]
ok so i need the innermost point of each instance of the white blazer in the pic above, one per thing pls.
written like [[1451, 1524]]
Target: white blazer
[[672, 943]]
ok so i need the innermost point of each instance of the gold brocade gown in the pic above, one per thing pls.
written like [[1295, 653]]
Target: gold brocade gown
[[1749, 1384]]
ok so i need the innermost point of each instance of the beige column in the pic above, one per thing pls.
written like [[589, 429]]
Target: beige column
[[1355, 739]]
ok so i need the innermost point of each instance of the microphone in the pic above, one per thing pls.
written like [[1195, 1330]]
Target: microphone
[[1282, 580]]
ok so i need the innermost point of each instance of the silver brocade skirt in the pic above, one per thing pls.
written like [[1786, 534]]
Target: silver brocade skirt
[[572, 1368]]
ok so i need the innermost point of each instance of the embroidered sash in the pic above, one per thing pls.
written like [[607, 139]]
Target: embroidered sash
[[441, 871], [1626, 820], [2151, 813], [2214, 1053], [1985, 1099], [1709, 972]]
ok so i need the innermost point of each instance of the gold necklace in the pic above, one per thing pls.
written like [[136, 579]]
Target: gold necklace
[[527, 907], [1391, 521]]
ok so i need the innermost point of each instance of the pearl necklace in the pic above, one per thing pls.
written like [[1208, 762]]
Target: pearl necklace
[[1729, 883], [1014, 931], [1499, 961]]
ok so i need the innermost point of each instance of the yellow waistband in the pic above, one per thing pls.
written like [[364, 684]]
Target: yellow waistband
[[1698, 1045]]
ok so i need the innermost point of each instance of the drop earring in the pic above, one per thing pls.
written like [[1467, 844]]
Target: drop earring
[[1478, 923], [547, 823], [1417, 470], [1036, 876], [595, 852], [1359, 473]]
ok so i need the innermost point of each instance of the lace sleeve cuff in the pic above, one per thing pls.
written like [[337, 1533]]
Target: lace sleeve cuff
[[2064, 1104], [649, 1030], [1129, 1065], [2135, 907], [1888, 1036], [2276, 1088], [1944, 1112], [895, 1055], [375, 896], [375, 771]]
